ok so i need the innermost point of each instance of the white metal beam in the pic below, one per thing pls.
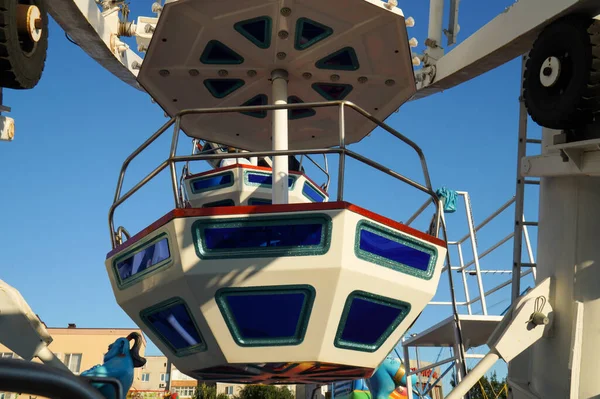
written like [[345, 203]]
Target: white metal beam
[[95, 33], [506, 37], [580, 158]]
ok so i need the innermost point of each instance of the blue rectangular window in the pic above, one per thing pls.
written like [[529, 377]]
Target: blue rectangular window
[[368, 320], [266, 316], [143, 260], [397, 251], [393, 250], [212, 182], [262, 237], [259, 201], [174, 325], [312, 193], [265, 180]]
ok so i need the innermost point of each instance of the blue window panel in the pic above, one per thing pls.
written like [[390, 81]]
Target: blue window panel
[[175, 327], [368, 320], [267, 316], [259, 201], [261, 237], [312, 193], [393, 250], [223, 238], [265, 179], [212, 182], [143, 260]]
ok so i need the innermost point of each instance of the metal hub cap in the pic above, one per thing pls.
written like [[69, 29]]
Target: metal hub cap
[[550, 72], [29, 22]]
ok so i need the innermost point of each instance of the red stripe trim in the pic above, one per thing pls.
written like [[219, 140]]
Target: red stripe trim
[[261, 209], [253, 167]]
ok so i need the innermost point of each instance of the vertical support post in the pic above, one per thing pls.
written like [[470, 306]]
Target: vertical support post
[[464, 277], [168, 376], [475, 253], [458, 339], [453, 23], [172, 154], [529, 250], [434, 35], [409, 387], [342, 166], [280, 137], [519, 369], [459, 352], [519, 195]]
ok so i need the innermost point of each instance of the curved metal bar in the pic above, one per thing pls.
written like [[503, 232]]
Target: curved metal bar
[[137, 152], [342, 151], [342, 160], [122, 231], [38, 379], [251, 108], [119, 201], [185, 158], [173, 152], [326, 163], [398, 135], [326, 170], [406, 180]]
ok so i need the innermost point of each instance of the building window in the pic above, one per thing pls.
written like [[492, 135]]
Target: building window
[[163, 377], [145, 377], [73, 361], [229, 390], [6, 355], [185, 392]]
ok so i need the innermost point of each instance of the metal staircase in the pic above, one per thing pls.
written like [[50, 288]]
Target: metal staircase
[[465, 330], [520, 222]]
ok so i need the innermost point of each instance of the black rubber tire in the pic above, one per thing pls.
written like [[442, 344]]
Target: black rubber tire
[[21, 67], [572, 102]]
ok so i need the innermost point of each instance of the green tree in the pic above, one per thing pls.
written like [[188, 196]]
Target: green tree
[[487, 388], [204, 391], [264, 392]]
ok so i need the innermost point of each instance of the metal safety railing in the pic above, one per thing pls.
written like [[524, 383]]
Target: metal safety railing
[[456, 361], [342, 150], [463, 266]]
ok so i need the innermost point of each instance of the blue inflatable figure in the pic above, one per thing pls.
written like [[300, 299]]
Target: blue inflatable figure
[[390, 375], [119, 363]]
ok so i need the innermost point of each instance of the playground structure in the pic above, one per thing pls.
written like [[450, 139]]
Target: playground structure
[[263, 80]]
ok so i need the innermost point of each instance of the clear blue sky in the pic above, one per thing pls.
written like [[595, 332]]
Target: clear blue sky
[[77, 126]]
